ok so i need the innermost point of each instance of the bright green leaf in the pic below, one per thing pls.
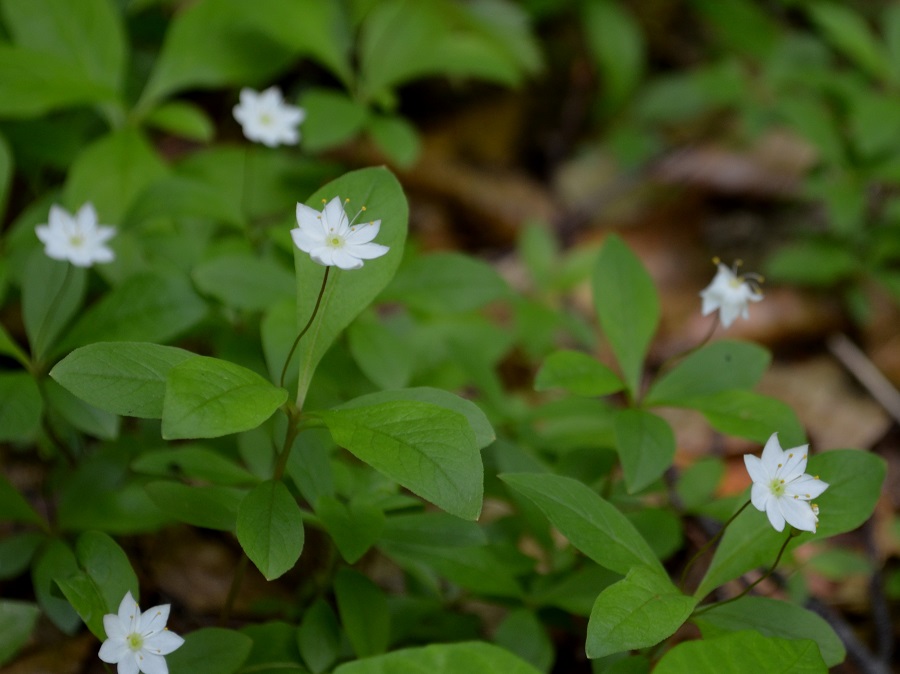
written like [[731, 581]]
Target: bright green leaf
[[196, 462], [615, 41], [183, 119], [52, 291], [746, 652], [646, 446], [83, 416], [355, 527], [850, 34], [627, 306], [473, 657], [748, 415], [397, 138], [244, 281], [331, 118], [577, 373], [208, 397], [270, 528], [210, 650]]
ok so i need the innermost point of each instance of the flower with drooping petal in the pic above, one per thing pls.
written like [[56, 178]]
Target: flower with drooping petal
[[265, 117], [78, 239], [730, 294], [332, 240], [782, 489], [136, 642]]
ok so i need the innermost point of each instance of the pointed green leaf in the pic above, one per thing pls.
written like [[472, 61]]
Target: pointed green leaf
[[270, 528], [21, 406], [640, 610], [127, 378], [207, 398], [348, 292], [183, 119], [720, 366], [577, 373], [17, 620], [773, 618], [473, 657], [14, 507], [211, 650], [319, 637], [52, 291], [428, 449], [107, 565], [593, 525], [55, 560], [627, 306], [363, 609], [355, 527], [83, 416], [646, 446], [746, 652]]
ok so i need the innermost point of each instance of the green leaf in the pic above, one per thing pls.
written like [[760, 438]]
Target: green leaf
[[9, 347], [52, 291], [208, 507], [319, 637], [107, 565], [646, 446], [640, 610], [746, 652], [21, 406], [196, 462], [147, 307], [210, 650], [717, 367], [442, 282], [332, 118], [243, 281], [627, 306], [83, 416], [354, 527], [127, 378], [615, 41], [364, 612], [699, 482], [577, 373], [270, 528], [7, 170], [34, 83], [348, 292], [207, 398], [661, 528], [850, 34], [55, 560], [521, 633], [592, 524], [432, 529], [478, 422], [816, 263], [430, 450], [742, 25], [382, 354], [749, 415], [772, 618], [473, 657], [17, 620], [396, 138], [854, 479], [14, 507], [17, 551], [112, 172], [183, 119]]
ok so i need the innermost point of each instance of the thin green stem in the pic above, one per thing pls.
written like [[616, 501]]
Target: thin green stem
[[671, 360], [706, 546], [290, 435], [239, 572], [305, 327], [791, 534]]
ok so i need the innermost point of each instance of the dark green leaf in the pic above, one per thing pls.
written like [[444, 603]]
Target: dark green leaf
[[364, 613], [270, 528], [577, 373]]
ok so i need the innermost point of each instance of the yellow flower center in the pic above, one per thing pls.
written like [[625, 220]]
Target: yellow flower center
[[777, 487], [135, 641]]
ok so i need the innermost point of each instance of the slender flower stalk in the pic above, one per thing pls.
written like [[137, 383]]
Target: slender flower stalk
[[306, 327]]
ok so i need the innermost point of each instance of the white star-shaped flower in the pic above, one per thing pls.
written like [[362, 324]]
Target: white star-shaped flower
[[78, 239], [782, 489], [730, 294], [266, 118], [331, 239], [136, 642]]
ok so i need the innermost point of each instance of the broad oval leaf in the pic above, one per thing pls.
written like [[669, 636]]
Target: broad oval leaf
[[348, 292], [270, 528], [592, 524], [639, 611], [211, 650], [577, 373], [127, 378], [473, 657], [364, 613], [717, 367], [746, 652], [430, 450], [627, 306], [646, 446], [749, 415], [207, 398]]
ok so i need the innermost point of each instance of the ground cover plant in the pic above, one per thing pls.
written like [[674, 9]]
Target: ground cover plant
[[258, 416]]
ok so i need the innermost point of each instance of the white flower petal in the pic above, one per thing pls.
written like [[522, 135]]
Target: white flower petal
[[774, 513], [368, 251], [799, 514], [304, 241], [113, 650], [345, 260], [364, 233], [756, 468], [154, 620], [794, 463], [772, 454], [334, 216], [153, 664], [129, 664], [113, 626], [759, 496], [163, 642], [806, 487], [129, 613]]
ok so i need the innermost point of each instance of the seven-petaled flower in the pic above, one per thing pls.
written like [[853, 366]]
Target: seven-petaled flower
[[138, 641], [730, 294], [782, 489], [266, 118], [78, 239], [331, 239]]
